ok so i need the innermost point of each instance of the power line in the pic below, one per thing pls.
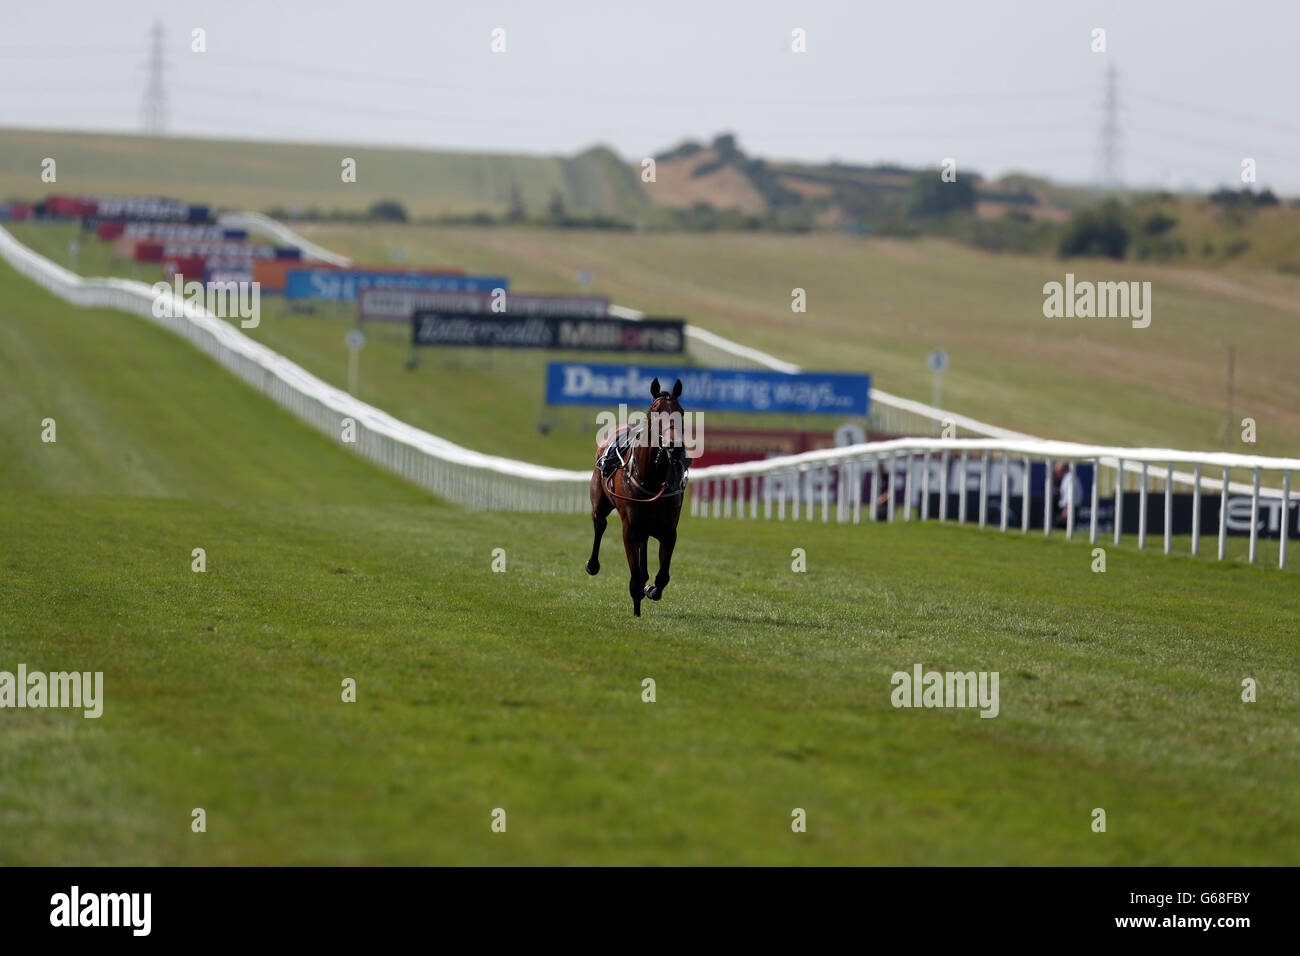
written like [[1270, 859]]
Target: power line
[[1234, 150], [261, 98], [244, 65], [63, 53], [1216, 114]]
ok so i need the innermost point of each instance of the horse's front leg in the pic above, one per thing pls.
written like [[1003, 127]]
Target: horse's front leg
[[600, 509], [634, 543], [666, 544]]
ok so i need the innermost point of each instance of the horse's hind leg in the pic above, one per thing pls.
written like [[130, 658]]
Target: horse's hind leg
[[635, 546], [600, 509], [666, 544]]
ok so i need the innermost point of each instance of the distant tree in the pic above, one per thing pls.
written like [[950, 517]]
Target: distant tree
[[388, 210], [1236, 205], [929, 195], [1158, 223], [1096, 231], [724, 144], [703, 216], [555, 210], [1243, 197], [687, 148], [517, 211]]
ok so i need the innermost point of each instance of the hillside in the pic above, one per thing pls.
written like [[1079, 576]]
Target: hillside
[[594, 183], [713, 186], [235, 174], [826, 195]]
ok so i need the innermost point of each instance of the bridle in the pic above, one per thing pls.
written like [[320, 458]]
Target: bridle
[[631, 477]]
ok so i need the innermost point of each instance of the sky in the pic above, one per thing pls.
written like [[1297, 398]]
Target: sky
[[996, 85]]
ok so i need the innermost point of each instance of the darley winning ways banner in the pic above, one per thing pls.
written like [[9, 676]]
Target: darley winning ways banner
[[710, 389]]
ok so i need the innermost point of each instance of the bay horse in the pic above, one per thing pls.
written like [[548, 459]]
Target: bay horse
[[647, 490]]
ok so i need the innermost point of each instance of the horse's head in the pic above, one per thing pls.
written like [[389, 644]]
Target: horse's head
[[666, 449], [665, 416]]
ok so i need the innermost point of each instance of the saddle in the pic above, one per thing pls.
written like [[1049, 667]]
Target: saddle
[[612, 455]]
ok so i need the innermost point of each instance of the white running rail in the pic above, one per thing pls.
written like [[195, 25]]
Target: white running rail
[[837, 480], [255, 222], [467, 477]]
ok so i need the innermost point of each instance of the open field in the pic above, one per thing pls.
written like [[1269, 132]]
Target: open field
[[522, 689]]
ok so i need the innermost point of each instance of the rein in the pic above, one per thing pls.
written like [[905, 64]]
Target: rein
[[609, 490]]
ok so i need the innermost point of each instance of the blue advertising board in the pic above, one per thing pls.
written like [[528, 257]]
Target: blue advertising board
[[333, 285], [710, 389]]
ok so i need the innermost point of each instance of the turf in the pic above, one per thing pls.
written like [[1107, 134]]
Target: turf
[[522, 690]]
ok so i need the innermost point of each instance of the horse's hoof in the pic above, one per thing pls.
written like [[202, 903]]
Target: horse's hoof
[[653, 593], [593, 569], [636, 611]]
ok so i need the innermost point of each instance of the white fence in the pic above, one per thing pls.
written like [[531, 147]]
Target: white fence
[[255, 222], [458, 474], [799, 483], [805, 484]]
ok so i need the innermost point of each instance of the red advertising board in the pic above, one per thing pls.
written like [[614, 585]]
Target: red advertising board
[[148, 252], [726, 446], [69, 206], [189, 267]]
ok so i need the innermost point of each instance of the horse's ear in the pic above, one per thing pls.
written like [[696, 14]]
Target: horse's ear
[[654, 389], [677, 389]]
